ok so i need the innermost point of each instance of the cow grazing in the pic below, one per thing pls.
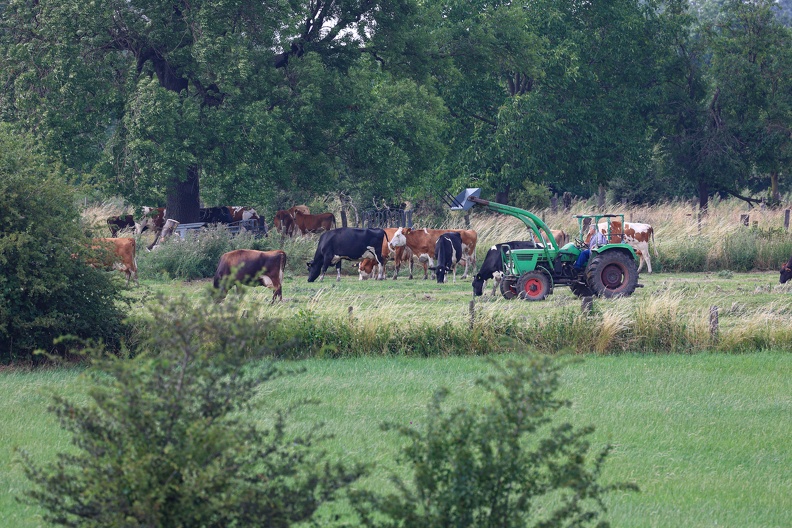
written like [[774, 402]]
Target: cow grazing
[[448, 252], [215, 215], [346, 243], [635, 234], [308, 223], [492, 267], [252, 267], [394, 238], [115, 253], [786, 272], [117, 223], [284, 219]]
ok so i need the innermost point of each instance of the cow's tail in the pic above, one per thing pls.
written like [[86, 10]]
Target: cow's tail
[[654, 245]]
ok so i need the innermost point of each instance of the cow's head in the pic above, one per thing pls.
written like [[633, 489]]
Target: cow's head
[[398, 239], [366, 269], [314, 269], [786, 272], [478, 285]]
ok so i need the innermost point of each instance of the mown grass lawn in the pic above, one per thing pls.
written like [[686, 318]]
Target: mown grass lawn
[[705, 436]]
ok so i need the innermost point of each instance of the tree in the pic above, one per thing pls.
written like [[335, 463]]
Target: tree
[[44, 291], [166, 438], [503, 462], [751, 65], [158, 97]]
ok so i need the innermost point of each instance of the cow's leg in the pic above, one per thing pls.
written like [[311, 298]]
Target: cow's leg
[[338, 271], [648, 262]]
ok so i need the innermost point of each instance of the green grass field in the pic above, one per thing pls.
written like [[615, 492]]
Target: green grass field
[[705, 436]]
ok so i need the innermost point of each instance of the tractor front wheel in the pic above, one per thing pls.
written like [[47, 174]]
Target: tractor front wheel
[[533, 286], [612, 274]]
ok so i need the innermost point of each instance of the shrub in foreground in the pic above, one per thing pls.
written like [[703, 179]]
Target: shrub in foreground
[[166, 438], [505, 462], [44, 292]]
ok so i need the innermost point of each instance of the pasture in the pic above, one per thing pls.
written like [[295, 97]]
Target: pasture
[[699, 420]]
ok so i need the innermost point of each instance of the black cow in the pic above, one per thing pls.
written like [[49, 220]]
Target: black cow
[[493, 263], [117, 223], [786, 271], [215, 215], [346, 243], [448, 251]]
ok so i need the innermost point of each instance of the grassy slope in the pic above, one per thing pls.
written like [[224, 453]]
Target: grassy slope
[[704, 436]]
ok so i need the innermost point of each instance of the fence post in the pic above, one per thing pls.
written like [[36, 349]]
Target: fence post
[[472, 312], [567, 199], [745, 219], [786, 220], [554, 203], [714, 323], [586, 304]]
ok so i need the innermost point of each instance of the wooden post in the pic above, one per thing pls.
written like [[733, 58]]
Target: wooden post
[[472, 312], [554, 203], [567, 199], [714, 323], [586, 304], [786, 220], [745, 219]]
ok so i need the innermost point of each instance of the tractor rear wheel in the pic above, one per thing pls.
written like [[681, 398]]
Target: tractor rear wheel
[[507, 287], [612, 274], [533, 286]]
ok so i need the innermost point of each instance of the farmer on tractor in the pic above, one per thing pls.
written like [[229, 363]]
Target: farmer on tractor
[[597, 239]]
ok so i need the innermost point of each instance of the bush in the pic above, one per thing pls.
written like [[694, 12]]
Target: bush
[[501, 463], [44, 292], [166, 438]]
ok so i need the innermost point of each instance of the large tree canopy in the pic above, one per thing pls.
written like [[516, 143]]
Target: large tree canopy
[[255, 96]]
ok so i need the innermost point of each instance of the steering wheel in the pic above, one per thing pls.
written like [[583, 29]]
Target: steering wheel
[[580, 244]]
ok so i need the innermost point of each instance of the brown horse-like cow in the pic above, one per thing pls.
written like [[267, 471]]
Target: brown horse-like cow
[[308, 223], [262, 267], [115, 253], [284, 219]]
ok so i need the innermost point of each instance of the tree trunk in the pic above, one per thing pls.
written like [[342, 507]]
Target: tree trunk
[[183, 198], [601, 198], [703, 192], [503, 196]]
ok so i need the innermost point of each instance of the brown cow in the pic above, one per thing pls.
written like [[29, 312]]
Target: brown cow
[[308, 223], [421, 242], [284, 219], [561, 237], [115, 253], [251, 266], [395, 239], [636, 235]]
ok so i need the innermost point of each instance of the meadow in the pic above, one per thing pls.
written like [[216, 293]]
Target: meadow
[[698, 420]]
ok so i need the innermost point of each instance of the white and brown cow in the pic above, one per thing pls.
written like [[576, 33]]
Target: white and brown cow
[[253, 267], [114, 253], [635, 234], [421, 242], [394, 238]]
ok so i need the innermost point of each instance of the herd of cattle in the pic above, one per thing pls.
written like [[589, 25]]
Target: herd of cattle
[[438, 250]]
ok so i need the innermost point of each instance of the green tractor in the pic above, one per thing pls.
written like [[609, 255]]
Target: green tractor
[[531, 274]]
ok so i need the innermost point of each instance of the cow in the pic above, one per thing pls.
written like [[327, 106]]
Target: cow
[[346, 243], [308, 223], [215, 215], [241, 214], [492, 267], [394, 238], [421, 242], [561, 237], [786, 272], [153, 218], [635, 234], [448, 252], [252, 267], [115, 253], [117, 223], [284, 219]]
